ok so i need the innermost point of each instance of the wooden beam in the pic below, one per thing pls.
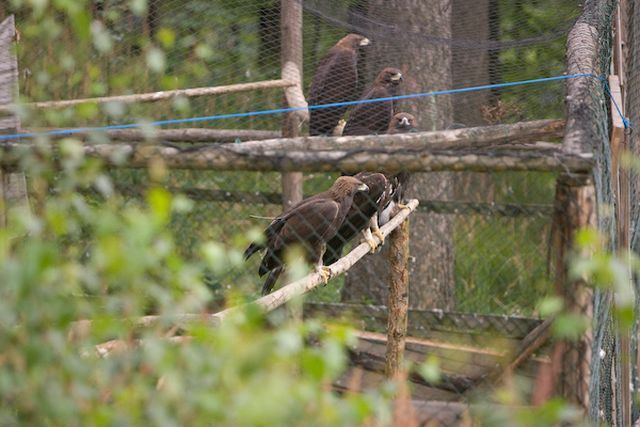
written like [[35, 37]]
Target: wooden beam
[[478, 137], [398, 299], [185, 135], [583, 51], [575, 209], [291, 63], [277, 298], [521, 157], [424, 323], [13, 186], [163, 95]]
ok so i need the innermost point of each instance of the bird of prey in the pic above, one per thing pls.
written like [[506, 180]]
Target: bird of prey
[[374, 117], [372, 209], [400, 123], [363, 215], [335, 81], [308, 224]]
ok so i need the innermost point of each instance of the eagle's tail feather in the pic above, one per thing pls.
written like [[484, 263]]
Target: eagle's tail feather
[[272, 278], [252, 249]]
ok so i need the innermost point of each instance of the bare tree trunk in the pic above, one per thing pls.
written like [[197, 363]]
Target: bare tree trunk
[[471, 66], [408, 34]]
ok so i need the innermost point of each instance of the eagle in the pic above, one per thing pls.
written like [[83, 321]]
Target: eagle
[[400, 123], [308, 224], [374, 117], [375, 208], [363, 215], [335, 81]]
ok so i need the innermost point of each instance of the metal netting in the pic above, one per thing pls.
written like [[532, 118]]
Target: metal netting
[[480, 241], [632, 83]]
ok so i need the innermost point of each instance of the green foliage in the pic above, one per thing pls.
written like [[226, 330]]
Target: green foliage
[[109, 261]]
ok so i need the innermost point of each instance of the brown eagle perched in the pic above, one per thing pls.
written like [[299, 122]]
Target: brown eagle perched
[[374, 117], [400, 123], [335, 80], [363, 215], [308, 224]]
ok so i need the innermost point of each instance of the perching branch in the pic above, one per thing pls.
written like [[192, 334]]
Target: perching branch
[[268, 302]]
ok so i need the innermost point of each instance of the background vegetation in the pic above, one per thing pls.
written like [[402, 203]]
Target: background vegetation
[[87, 251]]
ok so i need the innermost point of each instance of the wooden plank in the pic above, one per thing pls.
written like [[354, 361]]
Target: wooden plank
[[422, 323], [372, 380], [462, 368]]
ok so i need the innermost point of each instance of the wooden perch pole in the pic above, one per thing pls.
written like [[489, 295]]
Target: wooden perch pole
[[174, 135], [291, 63], [582, 57], [398, 299], [13, 186], [278, 297], [483, 136], [529, 157], [575, 208], [162, 95]]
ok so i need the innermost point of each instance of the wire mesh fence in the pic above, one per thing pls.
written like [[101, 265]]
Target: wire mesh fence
[[480, 243]]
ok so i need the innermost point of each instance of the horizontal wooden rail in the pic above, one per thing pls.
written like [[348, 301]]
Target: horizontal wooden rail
[[418, 156], [162, 95], [276, 298], [476, 137], [185, 135]]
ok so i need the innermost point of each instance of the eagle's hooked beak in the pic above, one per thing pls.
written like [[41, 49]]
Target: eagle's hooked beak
[[365, 42], [396, 77], [363, 187]]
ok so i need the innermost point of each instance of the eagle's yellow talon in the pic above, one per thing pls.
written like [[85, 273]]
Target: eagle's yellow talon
[[372, 244], [325, 272], [402, 206], [379, 235]]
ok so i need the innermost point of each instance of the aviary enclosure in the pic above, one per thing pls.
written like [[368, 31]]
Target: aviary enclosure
[[521, 111]]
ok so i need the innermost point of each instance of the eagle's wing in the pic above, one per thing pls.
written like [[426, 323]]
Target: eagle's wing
[[364, 206], [335, 81], [370, 117]]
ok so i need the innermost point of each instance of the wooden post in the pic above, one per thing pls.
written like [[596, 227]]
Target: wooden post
[[13, 186], [291, 59], [398, 304], [575, 208]]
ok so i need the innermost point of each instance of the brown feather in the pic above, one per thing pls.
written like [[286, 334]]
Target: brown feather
[[309, 224], [400, 123], [335, 81], [364, 206], [374, 117]]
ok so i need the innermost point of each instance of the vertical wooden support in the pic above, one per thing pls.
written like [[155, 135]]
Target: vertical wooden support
[[398, 304], [13, 186], [575, 208], [621, 176], [621, 188], [291, 60]]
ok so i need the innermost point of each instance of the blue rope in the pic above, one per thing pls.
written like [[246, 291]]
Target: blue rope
[[293, 109], [625, 121]]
